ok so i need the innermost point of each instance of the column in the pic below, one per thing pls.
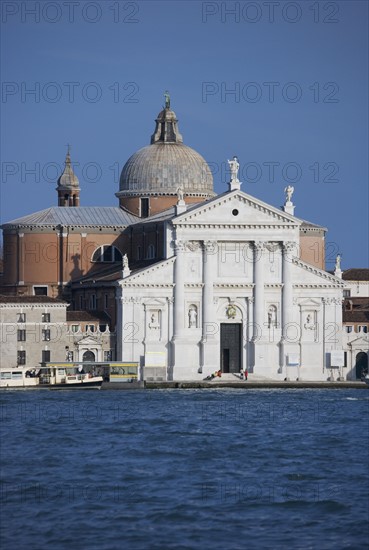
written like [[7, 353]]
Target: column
[[287, 292], [179, 276], [258, 291], [21, 259], [208, 318], [210, 326]]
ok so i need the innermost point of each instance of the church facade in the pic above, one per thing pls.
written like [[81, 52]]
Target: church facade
[[192, 282]]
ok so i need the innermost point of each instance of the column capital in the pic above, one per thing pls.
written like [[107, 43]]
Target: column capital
[[288, 247], [210, 246], [179, 246], [259, 246]]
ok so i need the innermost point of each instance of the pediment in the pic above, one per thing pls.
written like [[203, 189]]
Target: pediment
[[235, 208], [87, 341], [310, 302], [159, 273], [362, 341]]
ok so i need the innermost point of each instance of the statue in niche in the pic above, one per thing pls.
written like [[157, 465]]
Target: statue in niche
[[192, 317], [272, 317], [154, 321], [309, 325], [125, 262]]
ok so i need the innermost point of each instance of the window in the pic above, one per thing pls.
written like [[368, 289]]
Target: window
[[108, 355], [45, 356], [150, 252], [139, 253], [362, 328], [81, 302], [40, 290], [21, 318], [346, 293], [45, 318], [75, 328], [102, 328], [21, 335], [107, 253], [21, 357], [144, 207], [91, 328], [46, 335], [106, 300], [348, 328], [93, 301]]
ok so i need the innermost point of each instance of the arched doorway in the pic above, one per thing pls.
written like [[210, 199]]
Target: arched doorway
[[361, 365], [88, 357]]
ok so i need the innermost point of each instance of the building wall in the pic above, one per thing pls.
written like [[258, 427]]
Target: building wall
[[312, 249], [34, 343], [156, 204]]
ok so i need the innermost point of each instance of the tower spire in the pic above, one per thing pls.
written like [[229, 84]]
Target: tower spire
[[68, 184]]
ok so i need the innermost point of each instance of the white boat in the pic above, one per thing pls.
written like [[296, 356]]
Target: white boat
[[52, 377]]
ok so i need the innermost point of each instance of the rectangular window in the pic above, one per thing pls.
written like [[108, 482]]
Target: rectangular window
[[106, 300], [139, 253], [93, 301], [40, 290], [348, 329], [45, 318], [21, 357], [102, 328], [21, 335], [75, 328], [21, 318], [107, 254], [46, 335], [91, 328], [46, 356], [144, 207], [108, 355], [346, 293], [81, 302]]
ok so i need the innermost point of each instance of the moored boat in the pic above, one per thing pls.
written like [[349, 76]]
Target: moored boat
[[52, 377]]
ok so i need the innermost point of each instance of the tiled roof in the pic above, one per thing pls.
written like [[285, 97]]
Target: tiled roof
[[87, 316], [30, 300], [77, 216], [356, 310], [356, 274]]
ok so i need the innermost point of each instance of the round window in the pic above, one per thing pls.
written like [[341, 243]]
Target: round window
[[235, 212]]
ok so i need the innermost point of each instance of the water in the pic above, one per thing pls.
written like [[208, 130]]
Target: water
[[184, 469]]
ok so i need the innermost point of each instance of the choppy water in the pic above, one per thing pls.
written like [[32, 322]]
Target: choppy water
[[184, 469]]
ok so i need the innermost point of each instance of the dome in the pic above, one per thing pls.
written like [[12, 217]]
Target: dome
[[163, 168], [166, 165]]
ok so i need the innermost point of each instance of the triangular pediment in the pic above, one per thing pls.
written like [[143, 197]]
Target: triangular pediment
[[158, 273], [235, 207], [361, 341], [87, 341]]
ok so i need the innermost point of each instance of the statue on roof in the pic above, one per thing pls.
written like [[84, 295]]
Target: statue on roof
[[180, 194], [234, 167], [289, 192], [167, 99]]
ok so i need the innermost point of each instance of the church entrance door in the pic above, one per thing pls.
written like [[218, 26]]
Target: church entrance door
[[230, 347]]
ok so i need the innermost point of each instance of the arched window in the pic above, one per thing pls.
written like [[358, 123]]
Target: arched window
[[150, 255], [107, 253]]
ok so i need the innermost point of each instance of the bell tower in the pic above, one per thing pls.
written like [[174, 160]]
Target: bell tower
[[68, 185]]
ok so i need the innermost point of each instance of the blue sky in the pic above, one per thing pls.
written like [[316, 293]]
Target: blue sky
[[282, 85]]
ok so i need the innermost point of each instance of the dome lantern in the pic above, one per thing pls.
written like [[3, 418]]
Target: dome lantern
[[151, 177]]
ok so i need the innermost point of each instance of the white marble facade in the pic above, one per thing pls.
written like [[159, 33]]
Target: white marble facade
[[232, 261]]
